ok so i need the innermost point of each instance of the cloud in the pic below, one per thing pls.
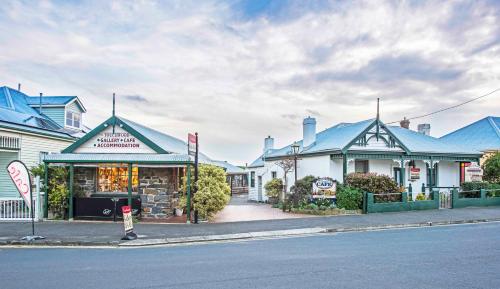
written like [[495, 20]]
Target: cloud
[[236, 71], [136, 98]]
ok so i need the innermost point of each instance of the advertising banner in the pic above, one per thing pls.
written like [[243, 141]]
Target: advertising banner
[[127, 219], [191, 144], [21, 178]]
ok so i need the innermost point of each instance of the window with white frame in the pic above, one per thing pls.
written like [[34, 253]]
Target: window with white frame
[[73, 119]]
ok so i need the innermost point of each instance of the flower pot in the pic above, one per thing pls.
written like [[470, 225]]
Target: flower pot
[[179, 212]]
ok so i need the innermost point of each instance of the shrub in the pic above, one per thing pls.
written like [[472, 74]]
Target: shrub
[[301, 190], [213, 191], [372, 183], [421, 197], [273, 188], [491, 168], [349, 198], [58, 191]]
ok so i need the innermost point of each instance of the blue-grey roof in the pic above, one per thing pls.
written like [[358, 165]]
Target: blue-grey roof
[[230, 168], [72, 157], [420, 143], [50, 100], [259, 162], [339, 136], [16, 113], [482, 135]]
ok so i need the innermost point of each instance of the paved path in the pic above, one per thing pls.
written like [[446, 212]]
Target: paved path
[[240, 209], [107, 231], [453, 257]]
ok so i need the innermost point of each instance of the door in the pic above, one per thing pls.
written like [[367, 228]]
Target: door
[[259, 188], [7, 187], [397, 176]]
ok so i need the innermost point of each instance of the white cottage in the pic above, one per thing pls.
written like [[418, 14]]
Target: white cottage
[[411, 158]]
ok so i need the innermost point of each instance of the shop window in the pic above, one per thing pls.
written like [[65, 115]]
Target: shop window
[[115, 179], [252, 179], [274, 175], [361, 166]]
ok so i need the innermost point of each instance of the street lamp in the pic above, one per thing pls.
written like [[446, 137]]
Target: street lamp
[[295, 152]]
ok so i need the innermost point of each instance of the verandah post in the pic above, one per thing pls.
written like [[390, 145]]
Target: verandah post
[[188, 195], [344, 167], [129, 196], [46, 189], [71, 176]]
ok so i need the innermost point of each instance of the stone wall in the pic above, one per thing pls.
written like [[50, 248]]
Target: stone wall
[[85, 181], [158, 191]]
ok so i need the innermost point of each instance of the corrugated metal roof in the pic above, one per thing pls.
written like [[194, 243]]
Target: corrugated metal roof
[[49, 100], [339, 136], [481, 135], [71, 157], [231, 169], [259, 162]]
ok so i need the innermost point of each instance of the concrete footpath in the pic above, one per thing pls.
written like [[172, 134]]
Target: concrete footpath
[[78, 233]]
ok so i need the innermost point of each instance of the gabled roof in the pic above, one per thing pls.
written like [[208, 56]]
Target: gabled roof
[[230, 169], [15, 113], [482, 135], [54, 101], [341, 137]]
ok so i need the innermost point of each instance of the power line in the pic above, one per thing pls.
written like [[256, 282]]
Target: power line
[[448, 108]]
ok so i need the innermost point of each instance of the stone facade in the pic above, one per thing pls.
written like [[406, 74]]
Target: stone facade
[[158, 188], [85, 181]]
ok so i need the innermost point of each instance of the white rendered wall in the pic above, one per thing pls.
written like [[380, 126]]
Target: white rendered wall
[[381, 167], [417, 184], [448, 174]]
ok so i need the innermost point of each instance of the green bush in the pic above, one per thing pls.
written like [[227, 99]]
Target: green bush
[[274, 188], [491, 168], [372, 183], [58, 191], [301, 190], [421, 197], [213, 191], [349, 198]]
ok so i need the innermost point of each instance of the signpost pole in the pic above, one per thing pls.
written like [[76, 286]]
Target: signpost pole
[[195, 188], [71, 177], [129, 195], [32, 208], [188, 193], [46, 189]]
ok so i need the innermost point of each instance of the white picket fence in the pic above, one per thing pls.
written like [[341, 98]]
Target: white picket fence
[[14, 209]]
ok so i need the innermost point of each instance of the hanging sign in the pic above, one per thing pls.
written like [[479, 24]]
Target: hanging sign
[[128, 223], [473, 173], [21, 178], [414, 174], [191, 144], [324, 188]]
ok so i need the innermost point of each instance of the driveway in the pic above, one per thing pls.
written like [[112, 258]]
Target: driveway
[[240, 209]]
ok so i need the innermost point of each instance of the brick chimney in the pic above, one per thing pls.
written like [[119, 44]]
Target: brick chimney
[[405, 123]]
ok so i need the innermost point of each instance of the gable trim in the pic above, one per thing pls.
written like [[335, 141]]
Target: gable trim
[[113, 121], [379, 124], [77, 100]]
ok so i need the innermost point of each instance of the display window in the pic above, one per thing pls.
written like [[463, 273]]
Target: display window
[[115, 178]]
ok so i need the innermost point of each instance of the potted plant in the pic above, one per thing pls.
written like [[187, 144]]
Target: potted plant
[[181, 204]]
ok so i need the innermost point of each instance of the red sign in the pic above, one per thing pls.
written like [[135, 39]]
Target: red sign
[[191, 144], [414, 174], [127, 219], [21, 178]]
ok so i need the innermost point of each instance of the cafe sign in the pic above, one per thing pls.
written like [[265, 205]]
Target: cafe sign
[[324, 188]]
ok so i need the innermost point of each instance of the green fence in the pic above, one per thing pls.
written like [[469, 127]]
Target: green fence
[[461, 200], [370, 206]]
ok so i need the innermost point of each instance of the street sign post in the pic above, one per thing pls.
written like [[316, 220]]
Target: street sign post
[[19, 174]]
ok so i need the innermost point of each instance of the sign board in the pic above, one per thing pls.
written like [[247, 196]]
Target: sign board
[[473, 173], [191, 144], [414, 174], [119, 141], [127, 219], [324, 188], [21, 178]]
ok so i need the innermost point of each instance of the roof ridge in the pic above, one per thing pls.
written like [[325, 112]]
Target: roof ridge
[[494, 125]]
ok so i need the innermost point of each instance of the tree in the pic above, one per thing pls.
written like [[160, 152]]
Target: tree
[[287, 165], [491, 168], [213, 191]]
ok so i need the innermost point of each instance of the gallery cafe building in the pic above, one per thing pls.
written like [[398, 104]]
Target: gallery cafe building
[[122, 162], [410, 157]]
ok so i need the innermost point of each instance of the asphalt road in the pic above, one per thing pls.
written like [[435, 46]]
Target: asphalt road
[[463, 256]]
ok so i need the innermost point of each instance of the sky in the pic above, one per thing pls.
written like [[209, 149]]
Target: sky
[[238, 71]]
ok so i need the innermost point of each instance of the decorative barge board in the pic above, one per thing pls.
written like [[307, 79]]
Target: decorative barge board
[[121, 162]]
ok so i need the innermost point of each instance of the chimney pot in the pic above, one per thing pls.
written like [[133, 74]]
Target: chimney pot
[[405, 123], [19, 87], [309, 131]]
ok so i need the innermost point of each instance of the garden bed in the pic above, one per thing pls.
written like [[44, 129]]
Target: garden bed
[[327, 212]]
